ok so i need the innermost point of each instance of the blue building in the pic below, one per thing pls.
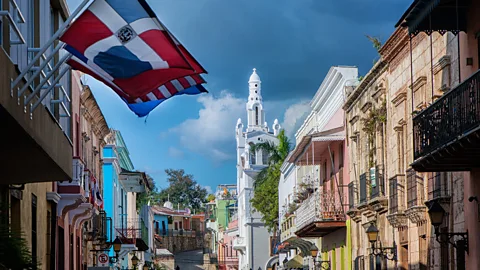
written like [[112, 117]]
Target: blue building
[[121, 185]]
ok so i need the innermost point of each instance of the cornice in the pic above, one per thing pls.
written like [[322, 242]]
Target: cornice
[[394, 44], [99, 124], [443, 62], [399, 97], [367, 81], [419, 82]]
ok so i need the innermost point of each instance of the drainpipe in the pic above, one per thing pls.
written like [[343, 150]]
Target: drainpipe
[[251, 242]]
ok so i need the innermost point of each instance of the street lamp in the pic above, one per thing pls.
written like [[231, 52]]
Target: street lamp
[[285, 263], [146, 265], [437, 214], [117, 246], [314, 253], [134, 261], [389, 253]]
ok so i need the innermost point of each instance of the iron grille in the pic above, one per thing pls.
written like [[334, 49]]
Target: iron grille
[[363, 188], [454, 114], [437, 185], [393, 199], [351, 195], [379, 188], [414, 189]]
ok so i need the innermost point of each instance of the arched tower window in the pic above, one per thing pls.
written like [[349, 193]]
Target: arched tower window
[[264, 157], [256, 115], [253, 156]]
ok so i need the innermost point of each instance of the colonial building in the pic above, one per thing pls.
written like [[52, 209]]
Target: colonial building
[[320, 178], [36, 124], [444, 98], [253, 238], [366, 117]]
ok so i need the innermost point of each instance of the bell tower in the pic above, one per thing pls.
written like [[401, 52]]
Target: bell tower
[[255, 112]]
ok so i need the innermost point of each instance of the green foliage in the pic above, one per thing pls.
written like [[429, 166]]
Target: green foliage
[[145, 197], [360, 78], [265, 198], [210, 197], [376, 117], [377, 44], [183, 190], [14, 251]]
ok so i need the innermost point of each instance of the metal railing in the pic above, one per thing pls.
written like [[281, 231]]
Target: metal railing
[[414, 189], [396, 194], [351, 195], [182, 232], [451, 116], [15, 17], [363, 188], [321, 206], [378, 189], [438, 185]]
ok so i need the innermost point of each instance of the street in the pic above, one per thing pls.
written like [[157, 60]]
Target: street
[[190, 260]]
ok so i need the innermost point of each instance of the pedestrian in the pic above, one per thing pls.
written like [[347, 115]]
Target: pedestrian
[[177, 268]]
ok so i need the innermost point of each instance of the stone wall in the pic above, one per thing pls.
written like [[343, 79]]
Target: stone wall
[[177, 244]]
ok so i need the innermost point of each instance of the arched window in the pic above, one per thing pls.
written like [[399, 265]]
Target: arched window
[[253, 156], [256, 115], [264, 157]]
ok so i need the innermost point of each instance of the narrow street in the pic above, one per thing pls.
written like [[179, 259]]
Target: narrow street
[[191, 260]]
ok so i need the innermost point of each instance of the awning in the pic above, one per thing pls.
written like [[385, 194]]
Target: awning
[[435, 15], [320, 141], [295, 262]]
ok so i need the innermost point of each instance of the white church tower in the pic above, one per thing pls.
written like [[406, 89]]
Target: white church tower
[[253, 239]]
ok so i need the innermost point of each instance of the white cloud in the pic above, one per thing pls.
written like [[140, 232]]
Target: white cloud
[[294, 117], [175, 152], [212, 134], [209, 189]]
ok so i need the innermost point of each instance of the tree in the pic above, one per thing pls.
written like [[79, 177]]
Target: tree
[[210, 197], [183, 190], [148, 195], [265, 198]]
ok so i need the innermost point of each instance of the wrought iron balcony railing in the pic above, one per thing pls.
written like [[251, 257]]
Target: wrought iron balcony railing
[[448, 118], [396, 196], [351, 195], [377, 182], [438, 186], [320, 207], [363, 188]]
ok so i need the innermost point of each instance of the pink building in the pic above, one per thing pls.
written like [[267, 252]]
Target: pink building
[[227, 256], [76, 206]]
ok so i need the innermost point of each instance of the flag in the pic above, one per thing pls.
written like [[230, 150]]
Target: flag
[[124, 44], [142, 106]]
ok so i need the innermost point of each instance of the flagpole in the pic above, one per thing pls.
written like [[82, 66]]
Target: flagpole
[[44, 48]]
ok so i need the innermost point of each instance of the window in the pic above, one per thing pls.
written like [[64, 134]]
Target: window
[[340, 156], [264, 157], [351, 198], [332, 163], [400, 151], [34, 228], [77, 127], [253, 156], [393, 196], [325, 171], [256, 115], [437, 185], [414, 188], [176, 226]]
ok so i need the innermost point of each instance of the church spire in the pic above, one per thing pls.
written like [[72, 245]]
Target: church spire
[[256, 115]]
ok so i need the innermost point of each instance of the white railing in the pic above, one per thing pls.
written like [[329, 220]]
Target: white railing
[[14, 17], [320, 206], [78, 178], [239, 243]]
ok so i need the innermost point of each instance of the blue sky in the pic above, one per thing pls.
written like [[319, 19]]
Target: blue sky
[[292, 43]]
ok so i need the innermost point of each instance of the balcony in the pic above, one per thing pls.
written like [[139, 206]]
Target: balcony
[[239, 244], [130, 232], [320, 214], [35, 136], [396, 211], [416, 210], [446, 133], [288, 228], [79, 182], [378, 199]]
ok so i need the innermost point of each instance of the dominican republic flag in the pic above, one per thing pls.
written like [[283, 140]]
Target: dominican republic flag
[[124, 45]]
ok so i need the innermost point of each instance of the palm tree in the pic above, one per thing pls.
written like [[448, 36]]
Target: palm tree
[[265, 198]]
